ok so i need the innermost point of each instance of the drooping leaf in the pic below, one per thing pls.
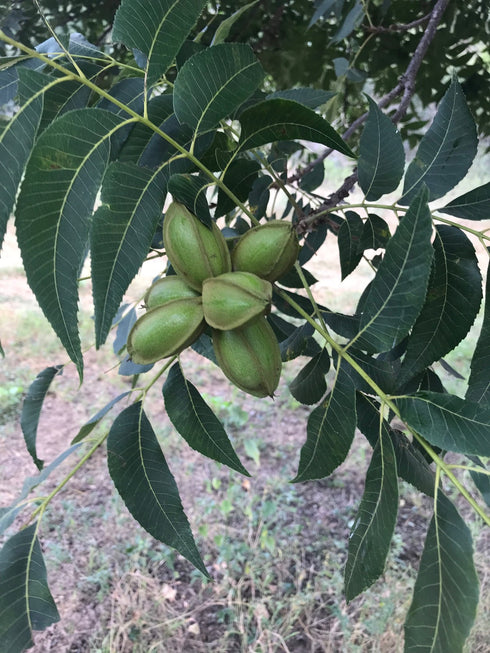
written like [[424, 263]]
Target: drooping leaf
[[479, 381], [239, 178], [89, 426], [348, 239], [196, 422], [452, 303], [445, 596], [157, 29], [309, 385], [292, 278], [446, 150], [474, 205], [371, 533], [310, 97], [381, 155], [26, 603], [410, 463], [190, 191], [124, 322], [397, 293], [330, 432], [282, 120], [225, 26], [448, 421], [299, 341], [122, 231], [63, 176], [313, 178], [142, 477], [31, 409], [17, 139], [128, 368], [215, 82]]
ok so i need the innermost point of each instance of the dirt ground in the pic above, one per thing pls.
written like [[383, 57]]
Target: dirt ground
[[275, 551]]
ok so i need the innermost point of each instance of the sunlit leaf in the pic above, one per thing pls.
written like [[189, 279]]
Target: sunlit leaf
[[445, 596], [381, 155], [452, 303], [474, 205], [142, 478], [448, 422], [446, 150], [53, 213], [371, 533], [157, 29], [26, 603], [31, 409], [397, 293], [196, 422], [282, 120], [330, 432], [122, 230], [214, 82]]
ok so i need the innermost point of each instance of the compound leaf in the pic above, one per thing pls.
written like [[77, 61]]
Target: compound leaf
[[445, 596], [26, 603], [142, 477], [196, 422]]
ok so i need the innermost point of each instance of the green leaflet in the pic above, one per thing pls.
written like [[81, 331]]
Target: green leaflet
[[122, 231], [446, 590], [215, 82], [371, 534], [26, 603], [157, 29], [63, 177], [398, 290], [142, 477], [196, 422]]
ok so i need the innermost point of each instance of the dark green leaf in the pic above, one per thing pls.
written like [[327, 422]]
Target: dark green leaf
[[122, 232], [65, 170], [225, 26], [286, 308], [310, 97], [479, 381], [130, 91], [157, 29], [313, 241], [383, 372], [452, 303], [446, 151], [322, 11], [142, 477], [204, 346], [445, 596], [375, 233], [381, 155], [349, 238], [351, 21], [299, 342], [410, 463], [282, 120], [26, 603], [397, 293], [448, 421], [313, 178], [346, 326], [160, 109], [292, 279], [196, 422], [17, 139], [31, 409], [231, 73], [190, 191], [239, 178], [371, 533], [330, 432], [89, 426], [309, 385], [474, 205], [481, 480]]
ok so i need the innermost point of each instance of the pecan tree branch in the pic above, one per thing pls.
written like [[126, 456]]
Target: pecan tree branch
[[396, 27], [406, 85]]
